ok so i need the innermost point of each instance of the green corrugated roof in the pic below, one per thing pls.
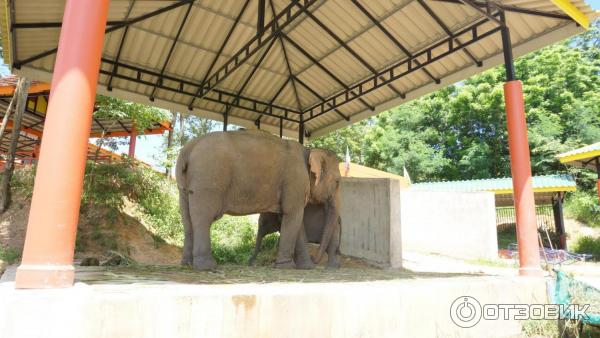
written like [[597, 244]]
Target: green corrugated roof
[[591, 147], [563, 182]]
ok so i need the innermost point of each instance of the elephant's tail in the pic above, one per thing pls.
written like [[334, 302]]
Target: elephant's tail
[[181, 171]]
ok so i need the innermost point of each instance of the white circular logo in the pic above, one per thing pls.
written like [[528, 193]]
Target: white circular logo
[[465, 311]]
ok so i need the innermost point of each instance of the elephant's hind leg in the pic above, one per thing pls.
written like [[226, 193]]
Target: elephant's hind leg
[[202, 218], [301, 256], [290, 226]]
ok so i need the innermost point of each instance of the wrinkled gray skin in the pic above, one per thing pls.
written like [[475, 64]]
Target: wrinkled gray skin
[[247, 172], [314, 224]]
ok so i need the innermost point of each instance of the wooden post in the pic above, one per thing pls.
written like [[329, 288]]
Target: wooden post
[[21, 93], [7, 114]]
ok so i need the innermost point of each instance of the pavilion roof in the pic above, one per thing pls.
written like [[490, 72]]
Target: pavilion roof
[[327, 63], [584, 157]]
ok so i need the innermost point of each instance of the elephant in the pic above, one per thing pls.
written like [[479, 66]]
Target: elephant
[[314, 224], [247, 172]]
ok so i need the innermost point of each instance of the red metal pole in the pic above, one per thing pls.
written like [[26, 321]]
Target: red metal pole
[[50, 241], [132, 140], [520, 167]]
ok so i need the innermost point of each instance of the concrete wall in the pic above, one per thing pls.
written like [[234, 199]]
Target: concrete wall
[[455, 224], [399, 308], [379, 221], [370, 223]]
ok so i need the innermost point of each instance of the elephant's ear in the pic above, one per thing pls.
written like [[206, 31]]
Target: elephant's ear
[[315, 162]]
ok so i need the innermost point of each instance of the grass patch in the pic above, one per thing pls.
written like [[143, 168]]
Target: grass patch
[[9, 255], [540, 328], [583, 206], [506, 236], [587, 245]]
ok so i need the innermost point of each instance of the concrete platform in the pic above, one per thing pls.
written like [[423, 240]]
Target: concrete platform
[[120, 302]]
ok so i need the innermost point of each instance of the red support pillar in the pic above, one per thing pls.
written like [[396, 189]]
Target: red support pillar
[[598, 181], [132, 140], [520, 167], [520, 164], [50, 241]]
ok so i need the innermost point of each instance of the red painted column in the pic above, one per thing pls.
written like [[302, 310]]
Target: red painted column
[[132, 140], [598, 181], [520, 167], [50, 241]]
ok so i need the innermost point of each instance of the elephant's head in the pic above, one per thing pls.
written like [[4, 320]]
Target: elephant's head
[[325, 189]]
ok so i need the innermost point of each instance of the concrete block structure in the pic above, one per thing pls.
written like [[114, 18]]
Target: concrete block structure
[[455, 224], [380, 221]]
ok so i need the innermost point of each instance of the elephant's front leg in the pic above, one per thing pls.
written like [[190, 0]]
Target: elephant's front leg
[[301, 256], [290, 226], [333, 250]]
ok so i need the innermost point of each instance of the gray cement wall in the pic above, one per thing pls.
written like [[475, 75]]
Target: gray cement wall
[[379, 221], [370, 223], [399, 308]]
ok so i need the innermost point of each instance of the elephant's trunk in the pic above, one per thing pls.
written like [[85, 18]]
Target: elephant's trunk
[[331, 222]]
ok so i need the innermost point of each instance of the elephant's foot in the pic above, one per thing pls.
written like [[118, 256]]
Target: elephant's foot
[[305, 265], [186, 261], [202, 264], [285, 265], [333, 264]]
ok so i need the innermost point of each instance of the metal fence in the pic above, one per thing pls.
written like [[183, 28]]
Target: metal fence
[[505, 217]]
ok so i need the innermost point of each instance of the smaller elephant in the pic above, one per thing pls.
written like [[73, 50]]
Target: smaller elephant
[[314, 223]]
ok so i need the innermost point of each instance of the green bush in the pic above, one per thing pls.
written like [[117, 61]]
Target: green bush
[[233, 240], [588, 245], [9, 255], [583, 206]]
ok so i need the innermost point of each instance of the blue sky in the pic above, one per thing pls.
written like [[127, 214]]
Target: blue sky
[[594, 3]]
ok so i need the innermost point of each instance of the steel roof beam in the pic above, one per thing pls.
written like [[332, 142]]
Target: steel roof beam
[[347, 48], [223, 44], [252, 72], [445, 28], [392, 38], [121, 43], [144, 76], [113, 28], [170, 53], [287, 61], [344, 116], [323, 68], [402, 68], [221, 97], [287, 15], [487, 12], [516, 9]]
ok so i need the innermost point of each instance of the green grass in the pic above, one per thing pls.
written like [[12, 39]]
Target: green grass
[[588, 245], [9, 255], [506, 236], [583, 206]]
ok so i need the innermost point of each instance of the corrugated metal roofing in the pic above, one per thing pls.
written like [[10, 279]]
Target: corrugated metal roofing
[[366, 49], [584, 157], [544, 183]]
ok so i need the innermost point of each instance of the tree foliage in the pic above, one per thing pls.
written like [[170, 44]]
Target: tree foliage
[[459, 132]]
